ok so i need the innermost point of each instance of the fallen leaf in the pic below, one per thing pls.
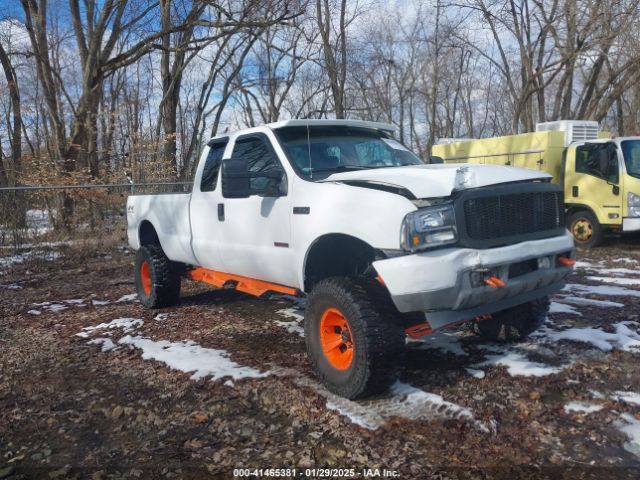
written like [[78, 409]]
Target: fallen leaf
[[199, 418]]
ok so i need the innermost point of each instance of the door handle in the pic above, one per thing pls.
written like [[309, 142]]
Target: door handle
[[221, 212], [574, 191]]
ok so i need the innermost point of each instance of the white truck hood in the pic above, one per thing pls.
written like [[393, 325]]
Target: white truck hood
[[432, 181]]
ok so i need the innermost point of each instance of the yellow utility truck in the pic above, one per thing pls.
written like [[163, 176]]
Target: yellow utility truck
[[600, 175]]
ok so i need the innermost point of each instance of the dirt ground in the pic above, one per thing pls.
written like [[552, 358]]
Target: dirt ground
[[557, 406]]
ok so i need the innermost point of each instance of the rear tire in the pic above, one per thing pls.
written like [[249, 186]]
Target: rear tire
[[585, 228], [514, 324], [157, 278], [354, 345]]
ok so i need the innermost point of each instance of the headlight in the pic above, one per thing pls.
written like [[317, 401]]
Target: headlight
[[633, 204], [428, 227]]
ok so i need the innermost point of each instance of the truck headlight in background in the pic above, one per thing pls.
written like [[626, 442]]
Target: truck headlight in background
[[428, 227], [633, 204]]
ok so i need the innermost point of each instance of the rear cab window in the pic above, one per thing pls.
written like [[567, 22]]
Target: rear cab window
[[212, 166]]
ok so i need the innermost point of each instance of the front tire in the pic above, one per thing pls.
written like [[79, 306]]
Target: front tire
[[354, 345], [585, 228], [514, 324], [157, 278]]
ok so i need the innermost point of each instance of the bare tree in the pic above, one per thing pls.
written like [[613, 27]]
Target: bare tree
[[334, 48], [9, 173]]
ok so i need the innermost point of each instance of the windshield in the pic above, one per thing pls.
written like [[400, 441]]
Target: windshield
[[319, 151], [631, 153]]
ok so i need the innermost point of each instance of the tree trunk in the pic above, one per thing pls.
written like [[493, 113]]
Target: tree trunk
[[10, 176]]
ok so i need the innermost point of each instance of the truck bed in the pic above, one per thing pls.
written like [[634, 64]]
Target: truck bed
[[169, 214]]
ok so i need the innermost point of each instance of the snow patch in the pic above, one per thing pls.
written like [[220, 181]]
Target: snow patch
[[475, 373], [107, 343], [294, 313], [631, 428], [35, 312], [446, 342], [293, 326], [161, 317], [188, 356], [590, 301], [624, 338], [582, 407], [625, 260], [601, 290], [75, 301], [128, 298], [415, 404], [602, 269], [356, 414], [562, 308], [61, 243], [583, 264], [126, 324], [402, 400], [627, 397], [620, 271], [8, 262], [412, 400], [55, 307], [60, 306], [518, 365], [616, 280]]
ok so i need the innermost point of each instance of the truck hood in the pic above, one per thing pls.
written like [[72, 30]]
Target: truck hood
[[431, 181]]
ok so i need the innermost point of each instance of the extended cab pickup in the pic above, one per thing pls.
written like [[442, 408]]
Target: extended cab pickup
[[382, 245]]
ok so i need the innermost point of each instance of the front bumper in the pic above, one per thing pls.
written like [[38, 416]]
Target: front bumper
[[445, 283], [630, 224]]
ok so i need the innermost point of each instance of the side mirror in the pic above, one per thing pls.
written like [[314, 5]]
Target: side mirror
[[436, 160], [239, 182], [235, 178]]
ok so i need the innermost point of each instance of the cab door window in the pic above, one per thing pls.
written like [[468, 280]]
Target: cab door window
[[599, 160]]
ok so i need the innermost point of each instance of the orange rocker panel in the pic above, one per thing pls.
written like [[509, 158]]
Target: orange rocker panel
[[242, 284]]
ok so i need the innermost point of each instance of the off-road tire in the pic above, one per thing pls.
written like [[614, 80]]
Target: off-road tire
[[585, 217], [164, 275], [378, 341], [514, 324]]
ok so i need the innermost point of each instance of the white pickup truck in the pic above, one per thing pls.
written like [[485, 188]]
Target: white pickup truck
[[382, 245]]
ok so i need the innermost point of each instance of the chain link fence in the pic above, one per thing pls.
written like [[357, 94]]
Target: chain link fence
[[32, 216]]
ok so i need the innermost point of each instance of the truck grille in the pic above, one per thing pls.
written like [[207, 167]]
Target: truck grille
[[511, 217]]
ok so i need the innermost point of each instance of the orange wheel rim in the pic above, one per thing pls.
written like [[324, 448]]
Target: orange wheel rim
[[145, 277], [336, 339]]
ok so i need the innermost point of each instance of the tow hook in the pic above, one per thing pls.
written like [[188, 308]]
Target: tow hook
[[494, 282], [566, 262]]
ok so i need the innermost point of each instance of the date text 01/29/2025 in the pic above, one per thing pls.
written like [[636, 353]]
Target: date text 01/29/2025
[[315, 473]]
